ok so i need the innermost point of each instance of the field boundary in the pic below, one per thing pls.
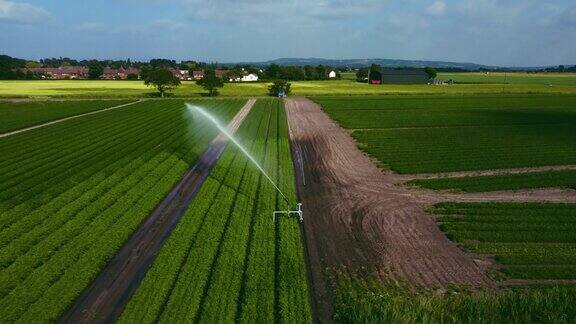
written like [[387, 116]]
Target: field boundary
[[105, 298], [22, 130]]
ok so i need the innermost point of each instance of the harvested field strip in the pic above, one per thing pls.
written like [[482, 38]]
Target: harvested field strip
[[57, 235], [532, 180], [470, 148], [17, 115], [226, 260], [531, 241]]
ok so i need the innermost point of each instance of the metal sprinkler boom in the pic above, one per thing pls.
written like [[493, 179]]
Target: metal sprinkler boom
[[296, 213]]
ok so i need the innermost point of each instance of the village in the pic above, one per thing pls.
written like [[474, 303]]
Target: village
[[131, 73]]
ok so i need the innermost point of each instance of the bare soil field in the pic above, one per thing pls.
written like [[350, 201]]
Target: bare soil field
[[357, 218]]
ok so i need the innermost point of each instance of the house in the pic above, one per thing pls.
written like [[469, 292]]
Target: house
[[181, 74], [197, 75], [220, 73], [119, 74], [59, 73], [332, 74], [389, 76], [250, 77]]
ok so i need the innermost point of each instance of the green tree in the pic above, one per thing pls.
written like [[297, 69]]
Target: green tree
[[279, 87], [362, 75], [431, 72], [211, 82], [160, 78], [95, 70]]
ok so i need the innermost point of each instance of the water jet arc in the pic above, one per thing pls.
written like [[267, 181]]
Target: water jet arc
[[197, 110]]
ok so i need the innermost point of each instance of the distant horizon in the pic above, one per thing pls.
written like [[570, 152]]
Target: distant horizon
[[513, 33], [288, 58]]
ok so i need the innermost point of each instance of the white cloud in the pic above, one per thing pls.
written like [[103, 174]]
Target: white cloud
[[21, 13], [265, 10], [438, 8]]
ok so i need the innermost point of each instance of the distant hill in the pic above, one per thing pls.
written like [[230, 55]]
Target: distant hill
[[359, 63]]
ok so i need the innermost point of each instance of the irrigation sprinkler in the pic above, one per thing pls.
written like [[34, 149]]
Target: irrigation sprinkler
[[296, 213]]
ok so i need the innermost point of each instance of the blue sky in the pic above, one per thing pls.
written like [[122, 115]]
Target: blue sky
[[494, 32]]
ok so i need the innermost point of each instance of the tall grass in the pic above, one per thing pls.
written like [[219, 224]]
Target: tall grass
[[369, 301]]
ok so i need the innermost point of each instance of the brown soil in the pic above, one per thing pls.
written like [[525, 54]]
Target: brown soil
[[551, 195], [357, 218], [408, 177], [105, 299]]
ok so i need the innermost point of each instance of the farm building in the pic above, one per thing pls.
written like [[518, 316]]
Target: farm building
[[332, 74], [389, 76], [249, 77]]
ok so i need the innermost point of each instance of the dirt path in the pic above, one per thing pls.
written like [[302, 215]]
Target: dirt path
[[408, 177], [105, 299], [549, 195], [22, 130], [356, 217]]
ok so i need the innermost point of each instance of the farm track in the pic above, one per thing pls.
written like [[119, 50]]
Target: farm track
[[105, 299], [551, 195], [359, 219], [408, 177], [18, 131]]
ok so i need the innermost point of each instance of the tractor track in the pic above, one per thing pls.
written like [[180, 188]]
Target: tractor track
[[105, 299]]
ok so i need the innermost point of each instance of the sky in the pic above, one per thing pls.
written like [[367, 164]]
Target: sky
[[491, 32]]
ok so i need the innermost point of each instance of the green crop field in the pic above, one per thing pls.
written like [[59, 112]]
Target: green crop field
[[72, 193], [531, 241], [546, 79], [347, 87], [15, 115], [531, 180], [227, 260], [370, 301], [436, 134]]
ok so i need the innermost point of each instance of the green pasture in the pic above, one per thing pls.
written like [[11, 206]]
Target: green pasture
[[116, 89], [545, 79]]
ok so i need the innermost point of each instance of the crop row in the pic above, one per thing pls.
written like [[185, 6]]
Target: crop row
[[16, 115], [371, 301], [226, 260], [531, 241], [434, 111], [532, 180], [421, 150], [61, 220]]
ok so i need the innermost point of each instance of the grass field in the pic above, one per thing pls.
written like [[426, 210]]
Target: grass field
[[121, 89], [531, 241], [438, 134], [370, 301], [15, 115], [226, 260], [72, 193], [548, 79], [531, 180]]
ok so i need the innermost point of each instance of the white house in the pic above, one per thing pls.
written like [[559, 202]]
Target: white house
[[332, 74], [249, 77]]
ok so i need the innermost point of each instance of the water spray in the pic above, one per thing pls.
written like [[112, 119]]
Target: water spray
[[193, 109]]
